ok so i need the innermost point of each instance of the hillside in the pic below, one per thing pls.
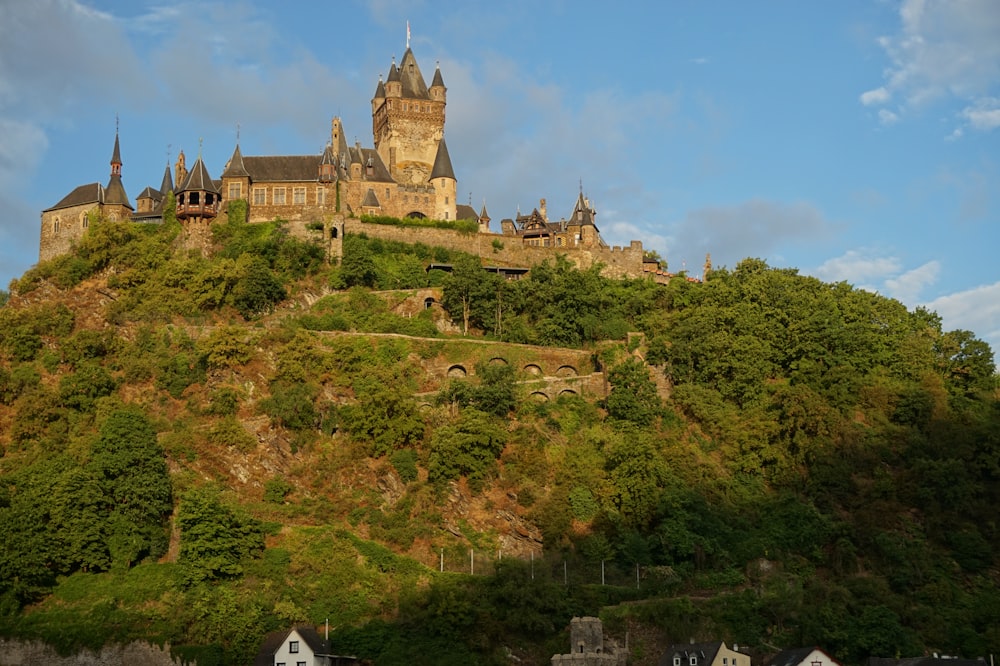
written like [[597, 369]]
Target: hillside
[[201, 449]]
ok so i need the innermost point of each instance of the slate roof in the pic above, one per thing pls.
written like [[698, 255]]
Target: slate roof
[[83, 194], [411, 78], [705, 651], [380, 89], [116, 155], [115, 193], [235, 168], [167, 185], [198, 179], [370, 200], [465, 212], [282, 168], [442, 163], [437, 81], [150, 193]]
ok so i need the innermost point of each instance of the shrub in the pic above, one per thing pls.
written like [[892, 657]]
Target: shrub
[[276, 489], [405, 463]]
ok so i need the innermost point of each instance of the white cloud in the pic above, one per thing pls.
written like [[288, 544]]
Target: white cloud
[[887, 117], [858, 267], [877, 96], [984, 114], [943, 48], [908, 286], [976, 309]]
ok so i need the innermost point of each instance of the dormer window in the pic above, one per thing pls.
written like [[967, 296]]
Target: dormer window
[[693, 660], [677, 660]]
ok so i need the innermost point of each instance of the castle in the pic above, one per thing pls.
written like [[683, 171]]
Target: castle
[[408, 173]]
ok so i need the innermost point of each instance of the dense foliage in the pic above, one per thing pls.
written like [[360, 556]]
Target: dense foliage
[[776, 461]]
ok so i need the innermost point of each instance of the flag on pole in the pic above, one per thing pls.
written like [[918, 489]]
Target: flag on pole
[[407, 34]]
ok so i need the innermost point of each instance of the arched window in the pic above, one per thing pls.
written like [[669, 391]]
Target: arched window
[[55, 225]]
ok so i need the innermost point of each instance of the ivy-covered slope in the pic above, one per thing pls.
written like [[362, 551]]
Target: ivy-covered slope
[[203, 449]]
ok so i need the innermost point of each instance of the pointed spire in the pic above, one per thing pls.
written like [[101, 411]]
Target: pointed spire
[[236, 169], [438, 80], [442, 163], [380, 89], [116, 155], [483, 215], [393, 72], [168, 183]]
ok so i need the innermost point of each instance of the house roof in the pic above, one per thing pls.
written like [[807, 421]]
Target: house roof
[[91, 193], [280, 168], [150, 193], [274, 640], [370, 200], [705, 652], [465, 212], [796, 656]]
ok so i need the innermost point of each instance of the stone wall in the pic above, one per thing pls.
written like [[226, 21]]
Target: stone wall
[[53, 242], [23, 653]]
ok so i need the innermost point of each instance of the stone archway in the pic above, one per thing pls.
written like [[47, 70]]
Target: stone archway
[[566, 371], [458, 371]]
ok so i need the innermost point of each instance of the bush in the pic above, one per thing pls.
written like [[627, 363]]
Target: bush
[[405, 463], [276, 490]]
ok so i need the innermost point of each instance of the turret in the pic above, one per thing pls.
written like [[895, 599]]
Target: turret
[[198, 198], [437, 90]]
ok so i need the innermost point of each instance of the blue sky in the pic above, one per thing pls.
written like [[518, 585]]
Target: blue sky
[[853, 140]]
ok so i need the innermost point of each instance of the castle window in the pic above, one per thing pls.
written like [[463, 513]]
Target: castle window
[[279, 196], [259, 196], [84, 220], [320, 196], [446, 215], [235, 190], [446, 201], [193, 199], [387, 194], [55, 225], [299, 196]]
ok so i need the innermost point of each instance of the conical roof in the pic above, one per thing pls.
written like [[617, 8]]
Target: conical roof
[[413, 81], [437, 81], [380, 89], [370, 200], [115, 193], [442, 163], [393, 73], [199, 180], [168, 181], [116, 155], [236, 169]]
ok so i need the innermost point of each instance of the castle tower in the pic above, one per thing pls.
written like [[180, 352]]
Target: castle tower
[[484, 220], [408, 121], [235, 177], [198, 198], [116, 203], [445, 184]]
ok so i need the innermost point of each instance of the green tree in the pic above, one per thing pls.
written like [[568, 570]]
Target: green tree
[[385, 417], [633, 395], [131, 470], [215, 539], [469, 448]]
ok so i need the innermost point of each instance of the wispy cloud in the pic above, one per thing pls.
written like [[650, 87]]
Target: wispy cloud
[[908, 286], [943, 48], [754, 228], [859, 267], [976, 309]]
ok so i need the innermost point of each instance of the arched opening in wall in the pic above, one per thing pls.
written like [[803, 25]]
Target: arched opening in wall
[[457, 371], [539, 396], [429, 302], [566, 371], [533, 369], [84, 220], [333, 232], [55, 225], [567, 393], [194, 199], [498, 360], [113, 217], [416, 215]]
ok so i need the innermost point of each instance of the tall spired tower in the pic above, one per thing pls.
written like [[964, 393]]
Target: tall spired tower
[[408, 121]]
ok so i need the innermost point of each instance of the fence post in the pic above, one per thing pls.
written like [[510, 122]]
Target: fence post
[[472, 562], [602, 572], [442, 560]]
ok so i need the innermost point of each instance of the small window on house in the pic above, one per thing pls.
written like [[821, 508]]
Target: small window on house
[[235, 190], [677, 660], [446, 215], [693, 660], [279, 196], [299, 196], [259, 196], [84, 221], [293, 646], [387, 194], [446, 201], [320, 196], [55, 225], [300, 663]]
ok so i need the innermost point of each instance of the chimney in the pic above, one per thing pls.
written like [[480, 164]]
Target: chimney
[[542, 210]]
